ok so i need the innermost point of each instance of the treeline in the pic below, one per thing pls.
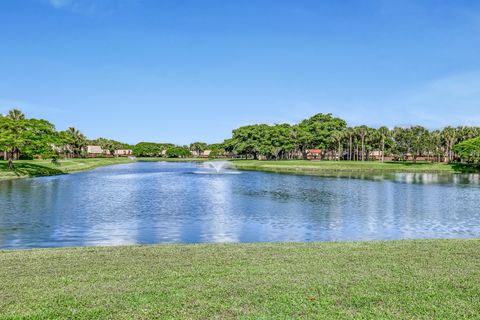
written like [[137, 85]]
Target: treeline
[[170, 150], [28, 138], [21, 137], [152, 149], [24, 138], [337, 141]]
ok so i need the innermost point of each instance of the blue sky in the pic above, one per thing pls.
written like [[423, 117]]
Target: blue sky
[[179, 71]]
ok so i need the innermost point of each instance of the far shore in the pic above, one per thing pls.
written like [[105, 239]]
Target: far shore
[[38, 168], [306, 167]]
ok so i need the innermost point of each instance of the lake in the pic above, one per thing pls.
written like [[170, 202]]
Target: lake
[[158, 202]]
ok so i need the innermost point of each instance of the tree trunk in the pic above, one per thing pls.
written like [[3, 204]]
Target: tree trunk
[[10, 157], [383, 150], [350, 149], [363, 149]]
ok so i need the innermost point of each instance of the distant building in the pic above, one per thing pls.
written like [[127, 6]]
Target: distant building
[[96, 151], [314, 154], [375, 155], [123, 153], [200, 154]]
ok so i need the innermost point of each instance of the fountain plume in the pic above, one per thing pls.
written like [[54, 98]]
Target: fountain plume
[[217, 166]]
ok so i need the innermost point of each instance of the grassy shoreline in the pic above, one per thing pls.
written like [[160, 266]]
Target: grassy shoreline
[[381, 279], [39, 168], [325, 167]]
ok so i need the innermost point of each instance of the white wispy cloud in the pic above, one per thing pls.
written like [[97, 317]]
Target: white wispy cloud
[[454, 99], [60, 3], [448, 100], [90, 7]]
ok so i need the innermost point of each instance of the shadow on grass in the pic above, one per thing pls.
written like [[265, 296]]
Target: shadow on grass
[[411, 163], [457, 167], [466, 168], [28, 169]]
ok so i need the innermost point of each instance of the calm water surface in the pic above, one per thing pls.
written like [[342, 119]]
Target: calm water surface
[[167, 203]]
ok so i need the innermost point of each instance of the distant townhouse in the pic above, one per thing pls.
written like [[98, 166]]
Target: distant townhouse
[[375, 155], [124, 153], [201, 154], [96, 151], [314, 154]]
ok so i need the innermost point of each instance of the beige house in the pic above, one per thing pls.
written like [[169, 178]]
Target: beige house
[[123, 153], [204, 153], [96, 151], [376, 155]]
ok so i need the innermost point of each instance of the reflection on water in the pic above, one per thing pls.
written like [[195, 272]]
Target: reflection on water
[[165, 203]]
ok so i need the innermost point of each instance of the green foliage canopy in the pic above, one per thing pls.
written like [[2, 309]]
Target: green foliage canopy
[[150, 149], [198, 147], [178, 152], [30, 137], [469, 150]]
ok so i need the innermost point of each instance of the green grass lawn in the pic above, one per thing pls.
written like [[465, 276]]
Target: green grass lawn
[[313, 167], [37, 168], [420, 279]]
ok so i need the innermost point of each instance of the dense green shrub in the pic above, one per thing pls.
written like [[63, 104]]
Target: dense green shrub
[[469, 150]]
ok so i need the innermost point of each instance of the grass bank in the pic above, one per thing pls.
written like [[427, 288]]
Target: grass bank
[[322, 167], [38, 168], [422, 279]]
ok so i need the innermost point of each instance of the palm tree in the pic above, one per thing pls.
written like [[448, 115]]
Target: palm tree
[[384, 134], [15, 115], [465, 133], [76, 140], [350, 133], [362, 133], [449, 135], [436, 144], [337, 138], [371, 141]]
